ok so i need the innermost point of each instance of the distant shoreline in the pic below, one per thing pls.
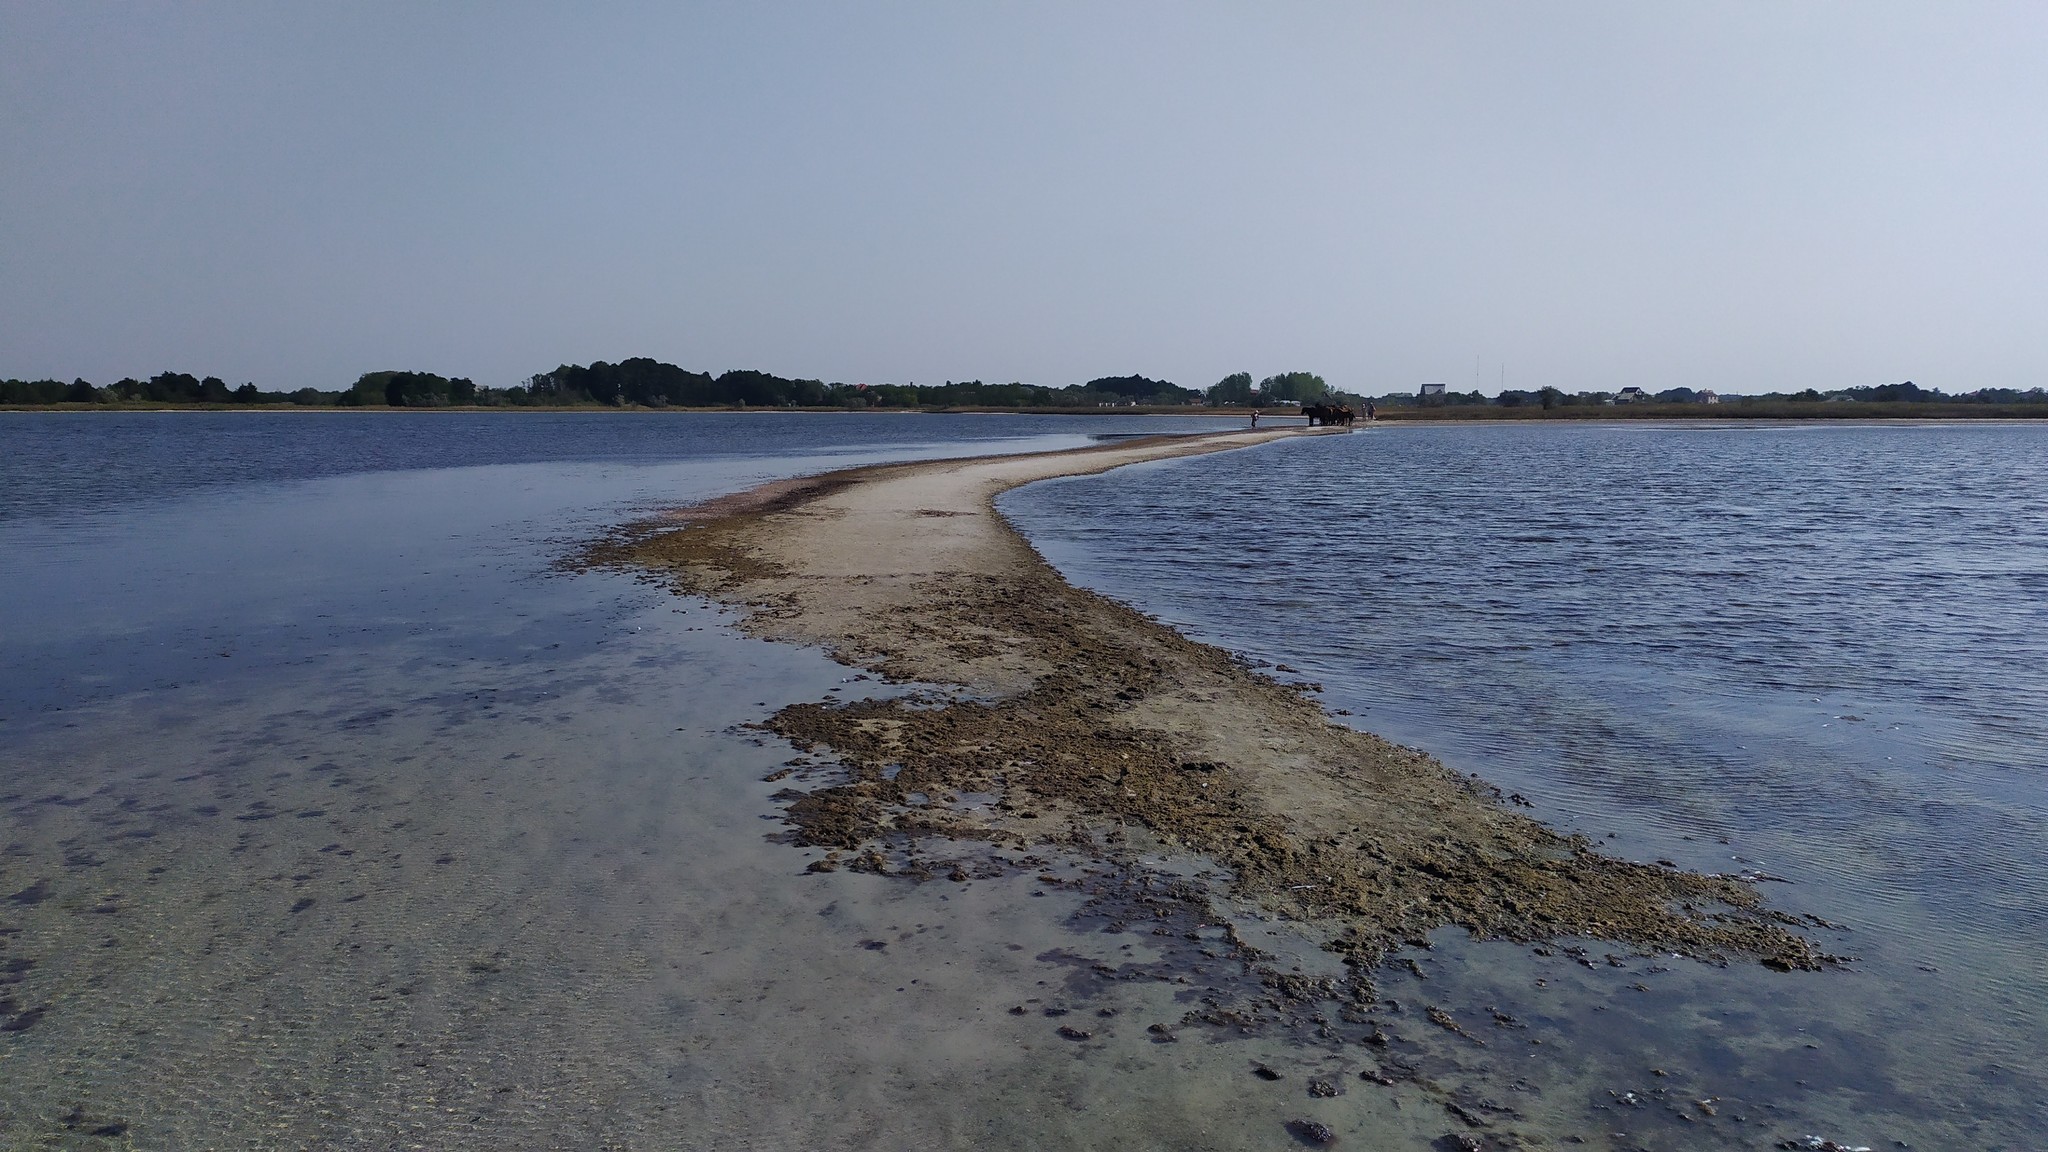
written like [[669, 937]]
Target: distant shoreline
[[1793, 411]]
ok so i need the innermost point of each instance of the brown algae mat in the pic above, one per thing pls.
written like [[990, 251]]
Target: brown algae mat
[[1066, 720]]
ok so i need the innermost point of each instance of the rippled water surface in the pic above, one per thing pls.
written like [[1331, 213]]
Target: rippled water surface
[[332, 814], [64, 463], [1818, 654]]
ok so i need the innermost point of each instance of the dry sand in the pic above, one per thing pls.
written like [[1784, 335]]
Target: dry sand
[[1067, 720]]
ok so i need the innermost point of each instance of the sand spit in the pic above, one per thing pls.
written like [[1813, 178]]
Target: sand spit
[[1072, 721]]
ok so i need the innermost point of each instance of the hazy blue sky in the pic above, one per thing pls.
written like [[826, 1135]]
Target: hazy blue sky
[[1742, 196]]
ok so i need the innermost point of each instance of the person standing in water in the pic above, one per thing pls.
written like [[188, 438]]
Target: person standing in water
[[1255, 419]]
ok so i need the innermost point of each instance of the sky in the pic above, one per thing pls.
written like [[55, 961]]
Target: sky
[[1749, 197]]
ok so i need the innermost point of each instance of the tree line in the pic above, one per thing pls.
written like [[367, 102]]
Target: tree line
[[1237, 390], [647, 383], [397, 389], [637, 382], [1557, 398], [653, 384]]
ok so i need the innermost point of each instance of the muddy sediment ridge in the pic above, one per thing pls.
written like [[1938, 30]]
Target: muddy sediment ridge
[[1054, 725]]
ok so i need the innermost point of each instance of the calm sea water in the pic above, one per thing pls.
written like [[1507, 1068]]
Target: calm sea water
[[87, 501], [1817, 653], [331, 815], [63, 463]]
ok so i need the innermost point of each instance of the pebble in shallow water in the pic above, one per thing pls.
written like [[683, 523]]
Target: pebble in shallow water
[[1313, 1132]]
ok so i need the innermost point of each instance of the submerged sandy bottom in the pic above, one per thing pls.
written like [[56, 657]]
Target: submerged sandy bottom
[[457, 855], [521, 874], [545, 910]]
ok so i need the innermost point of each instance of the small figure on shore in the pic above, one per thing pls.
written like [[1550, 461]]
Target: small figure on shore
[[1255, 419], [1369, 411]]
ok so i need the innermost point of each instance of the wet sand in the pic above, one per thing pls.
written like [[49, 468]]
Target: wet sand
[[1062, 722]]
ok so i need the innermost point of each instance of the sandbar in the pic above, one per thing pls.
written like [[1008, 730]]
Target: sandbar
[[1058, 718]]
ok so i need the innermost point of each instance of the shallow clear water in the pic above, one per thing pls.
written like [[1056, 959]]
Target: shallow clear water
[[1819, 653], [63, 463], [115, 523], [331, 815]]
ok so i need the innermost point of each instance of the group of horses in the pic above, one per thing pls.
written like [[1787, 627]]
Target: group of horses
[[1328, 414]]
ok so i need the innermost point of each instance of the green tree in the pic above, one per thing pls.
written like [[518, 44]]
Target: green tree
[[1300, 387], [1235, 388], [173, 388], [411, 390], [32, 391], [1140, 389]]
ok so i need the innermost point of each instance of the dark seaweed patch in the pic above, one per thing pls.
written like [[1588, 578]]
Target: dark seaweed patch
[[35, 893]]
